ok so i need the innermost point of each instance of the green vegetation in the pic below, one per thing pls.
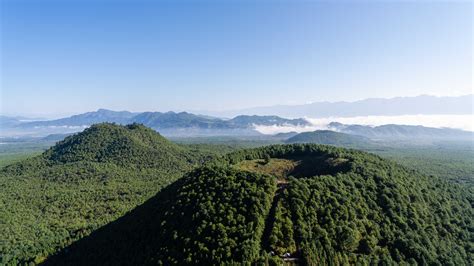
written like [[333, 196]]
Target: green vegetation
[[15, 151], [453, 161], [124, 146], [281, 239], [228, 142], [330, 138], [125, 195], [6, 159], [352, 207], [221, 213], [213, 215], [298, 160], [375, 211], [382, 216], [279, 168], [86, 181]]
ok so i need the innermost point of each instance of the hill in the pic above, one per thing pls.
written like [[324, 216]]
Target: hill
[[82, 183], [319, 204], [329, 137], [285, 136], [128, 145]]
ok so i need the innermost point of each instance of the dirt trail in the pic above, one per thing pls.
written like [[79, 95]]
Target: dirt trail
[[282, 184], [271, 215]]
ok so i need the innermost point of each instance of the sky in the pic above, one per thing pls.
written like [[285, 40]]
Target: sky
[[66, 57]]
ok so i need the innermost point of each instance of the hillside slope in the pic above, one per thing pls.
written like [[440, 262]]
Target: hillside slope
[[211, 215], [329, 138], [122, 145], [81, 184], [320, 204]]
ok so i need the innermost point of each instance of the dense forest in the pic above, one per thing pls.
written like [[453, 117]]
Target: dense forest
[[300, 203], [89, 179], [334, 206], [330, 138], [359, 208], [212, 215]]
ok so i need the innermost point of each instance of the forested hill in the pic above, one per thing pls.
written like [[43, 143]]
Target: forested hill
[[319, 204], [82, 183], [132, 144], [329, 137]]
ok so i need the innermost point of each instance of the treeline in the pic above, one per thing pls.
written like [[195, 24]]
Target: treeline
[[287, 152], [313, 159]]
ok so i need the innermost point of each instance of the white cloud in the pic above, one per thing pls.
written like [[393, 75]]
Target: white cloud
[[465, 122], [275, 129]]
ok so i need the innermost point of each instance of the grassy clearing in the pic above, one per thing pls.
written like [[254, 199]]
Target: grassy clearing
[[6, 159], [279, 168]]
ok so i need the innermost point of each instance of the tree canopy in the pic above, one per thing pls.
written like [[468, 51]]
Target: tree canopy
[[125, 195]]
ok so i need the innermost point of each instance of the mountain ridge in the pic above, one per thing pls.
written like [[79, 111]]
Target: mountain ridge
[[393, 131], [422, 104], [185, 124], [170, 123]]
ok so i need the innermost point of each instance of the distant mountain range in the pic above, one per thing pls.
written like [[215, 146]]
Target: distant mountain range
[[385, 132], [6, 121], [423, 104], [185, 124], [169, 123]]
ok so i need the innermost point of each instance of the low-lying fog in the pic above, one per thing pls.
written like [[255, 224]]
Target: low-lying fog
[[464, 122]]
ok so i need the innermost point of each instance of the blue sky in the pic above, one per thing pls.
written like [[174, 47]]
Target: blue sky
[[63, 57]]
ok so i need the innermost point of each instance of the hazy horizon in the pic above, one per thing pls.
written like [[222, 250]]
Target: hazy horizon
[[48, 116], [453, 120]]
